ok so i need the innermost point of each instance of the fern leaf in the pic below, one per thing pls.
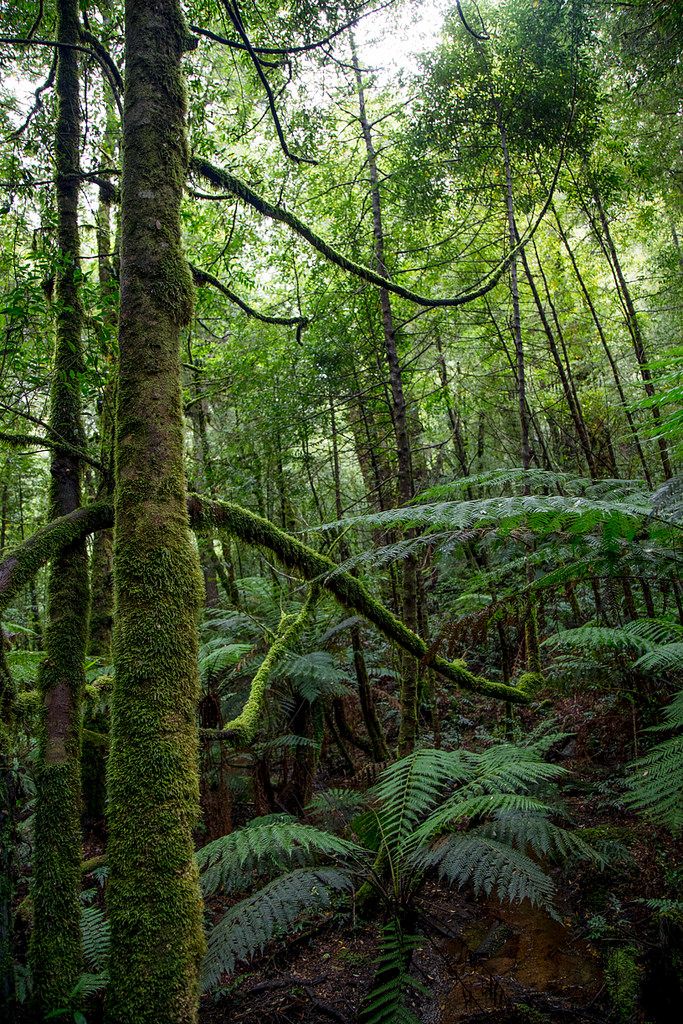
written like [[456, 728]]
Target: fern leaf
[[266, 847], [250, 925], [487, 865]]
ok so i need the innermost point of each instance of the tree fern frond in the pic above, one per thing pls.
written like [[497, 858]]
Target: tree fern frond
[[593, 638], [462, 807], [336, 805], [655, 787], [250, 925], [216, 655], [409, 789], [487, 865], [529, 830], [315, 674], [230, 862], [665, 658], [543, 514]]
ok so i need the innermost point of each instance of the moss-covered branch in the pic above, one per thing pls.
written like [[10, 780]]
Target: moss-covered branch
[[18, 568], [349, 591], [202, 277], [220, 178], [34, 441], [245, 726]]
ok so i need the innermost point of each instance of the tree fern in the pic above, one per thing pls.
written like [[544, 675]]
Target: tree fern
[[479, 819], [265, 847], [251, 924], [654, 786]]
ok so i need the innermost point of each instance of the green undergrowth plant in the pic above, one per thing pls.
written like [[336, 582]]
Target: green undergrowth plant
[[486, 821], [654, 785], [639, 648]]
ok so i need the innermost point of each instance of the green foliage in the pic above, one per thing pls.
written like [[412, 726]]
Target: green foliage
[[622, 978], [272, 912], [385, 1003], [481, 820], [263, 848], [654, 786]]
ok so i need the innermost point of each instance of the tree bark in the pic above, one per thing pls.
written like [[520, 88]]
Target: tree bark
[[153, 894], [55, 952], [409, 589]]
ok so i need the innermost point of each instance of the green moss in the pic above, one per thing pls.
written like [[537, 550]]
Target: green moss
[[55, 949], [153, 892], [622, 978], [21, 565], [531, 683], [245, 726], [348, 590]]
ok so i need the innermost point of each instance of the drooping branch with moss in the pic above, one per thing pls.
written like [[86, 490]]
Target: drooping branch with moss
[[254, 530]]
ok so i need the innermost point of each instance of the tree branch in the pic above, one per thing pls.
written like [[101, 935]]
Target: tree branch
[[22, 564], [202, 277], [223, 179]]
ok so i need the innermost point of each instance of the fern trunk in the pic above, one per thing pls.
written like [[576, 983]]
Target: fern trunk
[[153, 894]]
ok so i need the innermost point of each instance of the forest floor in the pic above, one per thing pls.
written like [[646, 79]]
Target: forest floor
[[485, 962]]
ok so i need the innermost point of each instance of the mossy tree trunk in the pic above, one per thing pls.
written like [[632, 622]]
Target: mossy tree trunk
[[56, 954], [7, 837], [96, 717], [153, 895]]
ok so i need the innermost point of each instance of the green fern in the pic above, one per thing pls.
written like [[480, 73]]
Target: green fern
[[216, 655], [479, 819], [655, 786], [265, 847], [274, 911], [385, 1003]]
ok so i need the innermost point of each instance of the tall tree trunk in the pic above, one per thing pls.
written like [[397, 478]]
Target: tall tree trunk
[[605, 345], [96, 719], [366, 697], [101, 617], [8, 838], [604, 236], [570, 397], [516, 321], [56, 954], [153, 894], [409, 589]]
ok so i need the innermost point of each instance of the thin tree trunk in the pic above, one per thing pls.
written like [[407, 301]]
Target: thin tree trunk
[[608, 352], [102, 562], [569, 394], [56, 953], [8, 838], [153, 894], [365, 695], [630, 315], [409, 590]]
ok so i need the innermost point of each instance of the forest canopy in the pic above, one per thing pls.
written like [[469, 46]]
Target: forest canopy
[[341, 435]]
